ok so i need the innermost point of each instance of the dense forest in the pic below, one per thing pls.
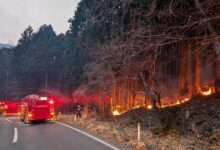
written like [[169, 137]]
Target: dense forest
[[147, 72], [114, 46]]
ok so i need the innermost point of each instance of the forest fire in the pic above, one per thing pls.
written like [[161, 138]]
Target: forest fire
[[149, 106], [165, 102], [116, 113], [207, 90], [176, 102]]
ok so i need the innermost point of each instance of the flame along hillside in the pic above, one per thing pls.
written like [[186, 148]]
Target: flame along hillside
[[177, 76], [180, 75], [163, 50], [191, 125]]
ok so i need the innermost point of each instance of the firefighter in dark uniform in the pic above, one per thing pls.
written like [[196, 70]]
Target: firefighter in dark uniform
[[79, 111]]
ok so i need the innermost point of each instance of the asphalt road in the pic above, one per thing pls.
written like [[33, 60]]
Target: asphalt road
[[15, 135]]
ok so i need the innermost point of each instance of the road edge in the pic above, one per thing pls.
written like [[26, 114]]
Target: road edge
[[89, 135]]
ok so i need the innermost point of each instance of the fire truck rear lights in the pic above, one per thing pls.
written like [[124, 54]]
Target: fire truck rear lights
[[6, 106], [29, 115], [51, 102], [43, 98]]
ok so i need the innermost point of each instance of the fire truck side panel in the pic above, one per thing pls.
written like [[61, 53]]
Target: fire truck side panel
[[40, 110], [36, 109]]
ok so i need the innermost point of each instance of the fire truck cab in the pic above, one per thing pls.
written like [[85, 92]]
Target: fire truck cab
[[35, 107]]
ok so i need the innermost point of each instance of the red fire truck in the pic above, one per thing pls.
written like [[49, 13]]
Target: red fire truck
[[8, 107], [35, 107], [1, 108]]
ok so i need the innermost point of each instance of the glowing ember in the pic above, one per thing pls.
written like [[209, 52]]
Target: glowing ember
[[116, 113], [118, 106], [149, 106], [176, 102], [207, 91], [185, 100], [167, 102]]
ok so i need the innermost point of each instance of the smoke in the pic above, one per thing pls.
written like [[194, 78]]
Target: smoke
[[60, 98], [170, 88]]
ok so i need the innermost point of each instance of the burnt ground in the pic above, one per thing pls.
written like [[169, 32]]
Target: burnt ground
[[194, 125]]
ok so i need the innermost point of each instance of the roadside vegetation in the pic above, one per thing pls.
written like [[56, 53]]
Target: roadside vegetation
[[194, 125], [128, 57]]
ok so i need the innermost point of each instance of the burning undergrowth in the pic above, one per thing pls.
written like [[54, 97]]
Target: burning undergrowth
[[192, 125], [196, 106]]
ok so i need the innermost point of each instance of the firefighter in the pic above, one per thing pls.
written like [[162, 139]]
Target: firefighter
[[79, 111]]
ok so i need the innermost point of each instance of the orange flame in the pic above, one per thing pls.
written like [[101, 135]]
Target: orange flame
[[207, 90], [149, 106], [116, 113], [176, 102], [204, 91]]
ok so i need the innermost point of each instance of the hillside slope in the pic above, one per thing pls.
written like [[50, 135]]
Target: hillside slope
[[194, 125]]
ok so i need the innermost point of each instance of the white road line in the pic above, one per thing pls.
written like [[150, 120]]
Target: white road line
[[15, 139], [8, 120], [88, 135]]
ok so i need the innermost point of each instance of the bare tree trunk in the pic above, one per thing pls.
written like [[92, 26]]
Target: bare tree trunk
[[215, 73], [133, 99], [126, 92], [215, 66], [195, 70], [115, 101], [102, 103], [183, 71], [129, 94], [216, 44], [147, 90], [119, 97]]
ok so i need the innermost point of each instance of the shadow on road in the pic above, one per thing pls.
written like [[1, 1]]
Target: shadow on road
[[40, 122]]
